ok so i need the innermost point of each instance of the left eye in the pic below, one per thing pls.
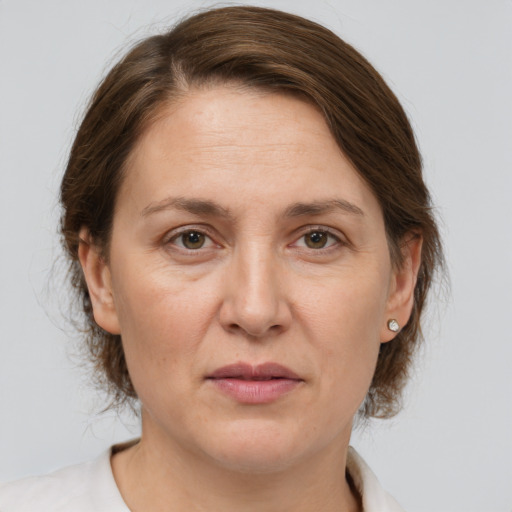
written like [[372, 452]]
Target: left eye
[[317, 239], [192, 240]]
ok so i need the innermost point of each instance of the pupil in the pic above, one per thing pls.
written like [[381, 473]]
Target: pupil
[[193, 240], [316, 240]]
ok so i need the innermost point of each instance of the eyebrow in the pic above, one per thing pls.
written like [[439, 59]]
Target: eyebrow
[[190, 205], [212, 209], [322, 207]]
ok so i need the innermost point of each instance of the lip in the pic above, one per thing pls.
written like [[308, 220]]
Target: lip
[[249, 384]]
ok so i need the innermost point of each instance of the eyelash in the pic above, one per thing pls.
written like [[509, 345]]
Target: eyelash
[[336, 240]]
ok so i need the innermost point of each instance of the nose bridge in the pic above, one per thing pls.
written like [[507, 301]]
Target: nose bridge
[[257, 267], [254, 302]]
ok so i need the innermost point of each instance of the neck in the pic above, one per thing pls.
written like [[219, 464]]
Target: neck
[[151, 479]]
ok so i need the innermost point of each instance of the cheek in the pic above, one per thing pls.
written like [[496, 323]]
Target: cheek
[[162, 324], [348, 306], [345, 320]]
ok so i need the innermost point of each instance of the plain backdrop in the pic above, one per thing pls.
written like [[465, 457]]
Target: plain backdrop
[[449, 62]]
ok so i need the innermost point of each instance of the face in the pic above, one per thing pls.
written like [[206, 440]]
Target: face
[[250, 279]]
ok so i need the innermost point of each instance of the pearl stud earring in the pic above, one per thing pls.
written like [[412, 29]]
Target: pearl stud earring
[[393, 325]]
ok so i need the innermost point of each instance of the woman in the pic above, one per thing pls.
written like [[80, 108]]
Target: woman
[[252, 241]]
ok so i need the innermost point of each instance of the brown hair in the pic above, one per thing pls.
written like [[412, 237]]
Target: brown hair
[[261, 48]]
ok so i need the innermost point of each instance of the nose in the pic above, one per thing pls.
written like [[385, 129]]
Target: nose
[[255, 302]]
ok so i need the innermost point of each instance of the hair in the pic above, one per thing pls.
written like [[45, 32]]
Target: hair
[[271, 50]]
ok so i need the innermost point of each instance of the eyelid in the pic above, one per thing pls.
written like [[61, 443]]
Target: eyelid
[[323, 229]]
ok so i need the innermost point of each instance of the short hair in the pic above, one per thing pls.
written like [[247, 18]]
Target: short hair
[[264, 49]]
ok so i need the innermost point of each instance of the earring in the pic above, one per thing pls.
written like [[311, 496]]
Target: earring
[[393, 325]]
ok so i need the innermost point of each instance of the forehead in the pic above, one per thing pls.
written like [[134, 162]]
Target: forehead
[[226, 137], [236, 114]]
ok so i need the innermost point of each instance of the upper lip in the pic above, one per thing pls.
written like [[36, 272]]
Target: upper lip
[[245, 371]]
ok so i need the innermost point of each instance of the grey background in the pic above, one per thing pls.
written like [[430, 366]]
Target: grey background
[[450, 63]]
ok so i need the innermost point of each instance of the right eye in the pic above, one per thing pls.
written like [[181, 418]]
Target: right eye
[[192, 240]]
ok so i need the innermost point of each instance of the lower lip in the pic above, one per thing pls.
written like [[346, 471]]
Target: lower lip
[[255, 391]]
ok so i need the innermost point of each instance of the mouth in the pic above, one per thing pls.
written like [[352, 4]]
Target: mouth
[[261, 372], [250, 384]]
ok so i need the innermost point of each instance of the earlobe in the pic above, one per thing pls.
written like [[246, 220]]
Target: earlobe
[[99, 283], [401, 291]]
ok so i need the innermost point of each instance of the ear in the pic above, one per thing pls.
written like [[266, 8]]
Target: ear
[[99, 283], [403, 282]]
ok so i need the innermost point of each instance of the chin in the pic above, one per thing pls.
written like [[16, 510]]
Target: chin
[[253, 447]]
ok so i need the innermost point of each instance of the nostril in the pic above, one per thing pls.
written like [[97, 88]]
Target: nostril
[[254, 331]]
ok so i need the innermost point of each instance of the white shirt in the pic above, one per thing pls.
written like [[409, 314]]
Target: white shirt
[[90, 487]]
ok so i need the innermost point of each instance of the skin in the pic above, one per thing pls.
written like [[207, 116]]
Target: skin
[[256, 291]]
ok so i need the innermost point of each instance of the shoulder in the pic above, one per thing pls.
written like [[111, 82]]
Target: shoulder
[[87, 487], [374, 497]]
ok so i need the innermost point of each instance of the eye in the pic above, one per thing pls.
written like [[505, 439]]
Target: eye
[[191, 240], [317, 239]]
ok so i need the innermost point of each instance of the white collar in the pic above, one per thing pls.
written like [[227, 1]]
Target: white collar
[[374, 497]]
